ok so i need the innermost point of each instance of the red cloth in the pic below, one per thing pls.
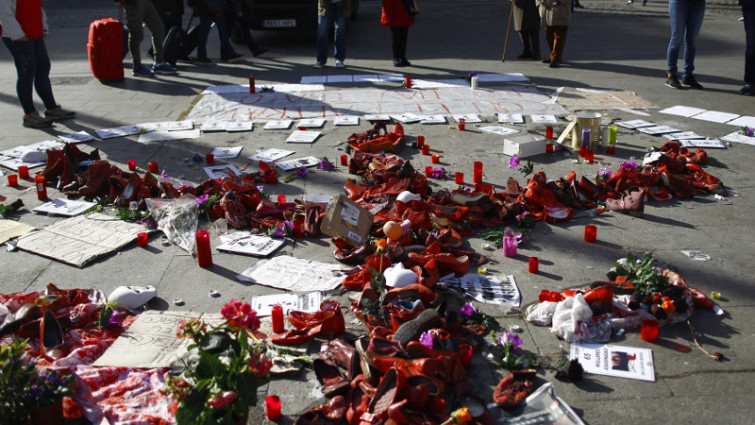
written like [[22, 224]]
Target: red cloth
[[394, 14], [29, 16]]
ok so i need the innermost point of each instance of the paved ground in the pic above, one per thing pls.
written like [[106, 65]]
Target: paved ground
[[611, 45]]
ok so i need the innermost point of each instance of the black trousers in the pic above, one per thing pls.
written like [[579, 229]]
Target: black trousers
[[398, 38]]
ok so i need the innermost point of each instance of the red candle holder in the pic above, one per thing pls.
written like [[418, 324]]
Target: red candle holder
[[477, 177], [534, 265], [39, 182], [425, 149], [281, 198], [12, 180], [610, 150], [210, 159], [428, 171], [649, 330], [548, 147], [549, 132], [252, 88], [408, 82], [277, 317], [420, 142], [131, 165], [462, 124], [591, 233], [273, 407], [589, 156], [465, 354], [23, 171], [204, 252], [582, 151], [152, 167], [478, 165], [435, 159], [344, 160], [459, 178], [142, 239]]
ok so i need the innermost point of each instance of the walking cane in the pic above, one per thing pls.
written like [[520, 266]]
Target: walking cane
[[508, 31]]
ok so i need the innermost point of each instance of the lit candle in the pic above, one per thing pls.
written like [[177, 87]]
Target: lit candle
[[425, 149], [591, 233], [428, 171], [420, 142], [459, 178], [281, 198], [549, 132], [210, 158], [435, 159], [12, 180], [152, 167], [477, 178], [344, 159], [131, 165], [142, 240], [39, 181], [462, 124], [23, 171]]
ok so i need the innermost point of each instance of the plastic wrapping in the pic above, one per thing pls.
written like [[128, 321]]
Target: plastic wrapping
[[177, 218]]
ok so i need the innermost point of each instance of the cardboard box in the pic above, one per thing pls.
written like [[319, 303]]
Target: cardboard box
[[348, 220], [524, 145]]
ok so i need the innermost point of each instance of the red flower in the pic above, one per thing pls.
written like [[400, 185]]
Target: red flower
[[223, 399], [240, 314]]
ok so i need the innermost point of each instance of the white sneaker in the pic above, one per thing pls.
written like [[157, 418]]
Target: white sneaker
[[339, 64], [318, 65]]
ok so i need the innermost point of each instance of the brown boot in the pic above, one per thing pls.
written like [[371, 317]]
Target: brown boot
[[54, 164], [99, 172]]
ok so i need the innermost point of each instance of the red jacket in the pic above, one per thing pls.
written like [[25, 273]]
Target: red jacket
[[22, 18], [394, 14]]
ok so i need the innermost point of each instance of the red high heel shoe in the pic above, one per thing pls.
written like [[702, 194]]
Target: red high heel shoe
[[329, 320], [51, 337]]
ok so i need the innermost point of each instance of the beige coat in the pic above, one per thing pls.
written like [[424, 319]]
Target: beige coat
[[325, 8], [555, 13]]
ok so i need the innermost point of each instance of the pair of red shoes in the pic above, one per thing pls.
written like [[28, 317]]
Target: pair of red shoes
[[328, 321]]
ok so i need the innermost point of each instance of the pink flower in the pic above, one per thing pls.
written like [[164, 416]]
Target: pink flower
[[510, 340], [514, 162], [260, 365], [240, 314], [426, 339]]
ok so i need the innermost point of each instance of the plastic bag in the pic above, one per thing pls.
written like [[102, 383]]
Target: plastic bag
[[177, 218]]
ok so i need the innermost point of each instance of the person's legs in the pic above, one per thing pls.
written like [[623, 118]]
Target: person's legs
[[559, 42], [396, 43], [550, 35], [156, 27], [534, 37], [695, 15], [226, 50], [205, 22], [135, 31], [527, 52], [339, 40], [323, 29], [749, 22], [677, 10], [42, 84], [23, 57], [404, 32]]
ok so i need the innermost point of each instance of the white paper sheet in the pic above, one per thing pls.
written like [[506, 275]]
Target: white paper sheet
[[544, 119], [303, 136], [278, 124], [340, 79], [743, 121], [377, 117], [247, 244], [309, 303], [237, 126], [180, 125], [108, 133], [683, 135], [227, 152], [407, 117], [78, 137], [735, 137], [167, 136], [311, 122], [715, 116], [509, 77], [293, 274], [702, 143], [433, 119], [487, 289], [658, 130], [64, 207], [511, 118], [615, 360], [499, 130], [684, 111], [293, 164], [345, 120], [313, 79], [271, 155], [468, 118], [634, 124], [364, 78]]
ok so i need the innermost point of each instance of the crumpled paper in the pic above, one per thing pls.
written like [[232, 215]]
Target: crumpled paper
[[178, 219]]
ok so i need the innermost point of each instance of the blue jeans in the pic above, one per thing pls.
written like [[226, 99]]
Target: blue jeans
[[33, 69], [323, 28], [686, 18], [749, 15], [205, 23]]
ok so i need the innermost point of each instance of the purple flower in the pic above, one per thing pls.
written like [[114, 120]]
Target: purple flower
[[468, 189], [467, 311], [514, 162], [164, 174], [439, 172], [260, 188], [426, 339], [472, 74], [510, 341], [604, 174], [325, 165], [301, 172], [197, 158], [202, 199], [629, 165], [284, 228], [750, 132]]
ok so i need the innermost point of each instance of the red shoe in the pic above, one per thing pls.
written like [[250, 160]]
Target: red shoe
[[329, 320], [51, 337], [632, 203]]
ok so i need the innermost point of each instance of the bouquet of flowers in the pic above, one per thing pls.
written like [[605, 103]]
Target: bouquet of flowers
[[218, 382], [509, 354]]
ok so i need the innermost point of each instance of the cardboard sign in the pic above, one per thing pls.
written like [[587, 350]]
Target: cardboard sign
[[348, 220]]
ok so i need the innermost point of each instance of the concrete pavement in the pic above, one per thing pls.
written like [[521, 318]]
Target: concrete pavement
[[611, 45]]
